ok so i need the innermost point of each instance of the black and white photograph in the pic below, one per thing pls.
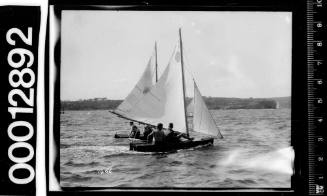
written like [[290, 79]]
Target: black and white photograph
[[175, 99], [102, 97]]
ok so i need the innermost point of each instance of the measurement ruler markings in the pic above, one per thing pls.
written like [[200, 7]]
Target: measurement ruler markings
[[313, 26]]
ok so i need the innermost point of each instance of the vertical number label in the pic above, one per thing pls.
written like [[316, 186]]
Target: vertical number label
[[21, 78]]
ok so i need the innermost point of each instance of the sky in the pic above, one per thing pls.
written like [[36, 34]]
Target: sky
[[229, 54]]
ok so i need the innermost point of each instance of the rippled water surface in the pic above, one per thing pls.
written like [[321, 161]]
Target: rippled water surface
[[255, 152]]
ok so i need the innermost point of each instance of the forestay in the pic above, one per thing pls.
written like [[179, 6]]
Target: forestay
[[202, 119]]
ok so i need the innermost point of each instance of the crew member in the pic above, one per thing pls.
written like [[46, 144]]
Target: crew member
[[147, 131], [135, 133], [173, 136], [159, 135]]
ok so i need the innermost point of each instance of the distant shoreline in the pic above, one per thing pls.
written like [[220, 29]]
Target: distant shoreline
[[213, 103]]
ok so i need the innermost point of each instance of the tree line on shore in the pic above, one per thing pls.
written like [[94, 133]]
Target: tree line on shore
[[211, 102]]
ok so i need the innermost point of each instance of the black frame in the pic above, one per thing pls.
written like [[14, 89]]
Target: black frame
[[299, 81]]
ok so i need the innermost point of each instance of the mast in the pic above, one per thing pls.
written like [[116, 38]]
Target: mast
[[182, 64], [155, 48]]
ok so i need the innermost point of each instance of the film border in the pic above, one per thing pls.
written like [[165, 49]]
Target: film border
[[299, 72]]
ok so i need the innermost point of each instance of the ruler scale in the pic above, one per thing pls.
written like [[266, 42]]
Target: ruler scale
[[315, 61]]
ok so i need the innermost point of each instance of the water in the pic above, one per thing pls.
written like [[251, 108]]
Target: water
[[255, 152]]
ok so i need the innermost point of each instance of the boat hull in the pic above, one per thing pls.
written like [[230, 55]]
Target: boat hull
[[121, 135], [171, 147]]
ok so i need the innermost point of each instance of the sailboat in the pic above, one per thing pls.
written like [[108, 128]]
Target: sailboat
[[164, 101]]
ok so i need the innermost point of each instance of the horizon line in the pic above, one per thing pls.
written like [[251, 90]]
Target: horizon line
[[106, 98]]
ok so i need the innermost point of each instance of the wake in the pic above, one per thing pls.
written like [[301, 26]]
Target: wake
[[277, 161]]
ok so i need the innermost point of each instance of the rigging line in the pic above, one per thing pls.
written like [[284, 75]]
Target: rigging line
[[121, 116], [183, 79], [137, 86], [157, 98], [153, 78], [156, 67], [221, 135], [188, 69], [187, 63]]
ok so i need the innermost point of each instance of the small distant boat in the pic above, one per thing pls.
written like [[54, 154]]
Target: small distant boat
[[163, 100]]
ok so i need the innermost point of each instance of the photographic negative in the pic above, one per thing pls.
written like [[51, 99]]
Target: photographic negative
[[223, 79]]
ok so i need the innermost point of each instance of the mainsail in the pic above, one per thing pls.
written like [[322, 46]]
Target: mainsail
[[202, 119], [142, 87], [164, 102]]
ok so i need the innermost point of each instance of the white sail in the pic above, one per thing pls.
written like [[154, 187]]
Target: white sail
[[164, 103], [142, 87], [190, 108], [203, 122]]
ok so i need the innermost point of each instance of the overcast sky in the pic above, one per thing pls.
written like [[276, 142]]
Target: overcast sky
[[230, 54]]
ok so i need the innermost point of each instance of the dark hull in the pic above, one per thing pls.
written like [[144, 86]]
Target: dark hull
[[169, 147], [121, 135]]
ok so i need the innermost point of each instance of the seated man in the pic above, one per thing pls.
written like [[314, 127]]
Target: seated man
[[147, 131], [159, 135], [174, 137], [135, 133]]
